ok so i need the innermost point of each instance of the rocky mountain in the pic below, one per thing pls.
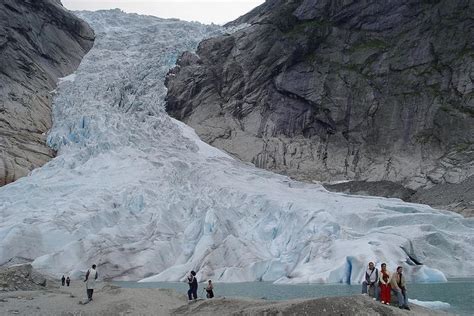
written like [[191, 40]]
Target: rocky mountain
[[40, 41], [341, 90]]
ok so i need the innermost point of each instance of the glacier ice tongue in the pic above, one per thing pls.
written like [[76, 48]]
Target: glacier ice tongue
[[139, 194]]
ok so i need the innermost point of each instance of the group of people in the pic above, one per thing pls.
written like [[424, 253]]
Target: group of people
[[91, 277], [381, 284], [193, 287], [65, 281]]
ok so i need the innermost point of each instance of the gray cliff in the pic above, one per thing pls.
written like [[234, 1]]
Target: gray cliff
[[40, 41], [378, 91]]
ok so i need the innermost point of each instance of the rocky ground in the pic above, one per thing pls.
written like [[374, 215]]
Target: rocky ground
[[457, 197], [24, 278], [112, 300], [353, 305], [108, 300], [26, 292]]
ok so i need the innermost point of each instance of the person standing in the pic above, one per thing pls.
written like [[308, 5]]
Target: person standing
[[398, 284], [63, 279], [68, 281], [371, 280], [209, 290], [384, 284], [91, 277], [193, 286]]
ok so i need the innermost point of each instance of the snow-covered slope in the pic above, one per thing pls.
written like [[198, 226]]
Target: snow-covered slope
[[139, 194]]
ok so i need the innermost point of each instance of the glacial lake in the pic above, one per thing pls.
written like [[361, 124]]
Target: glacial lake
[[458, 293]]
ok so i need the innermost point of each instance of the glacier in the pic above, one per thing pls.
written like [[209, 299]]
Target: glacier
[[139, 194], [432, 304]]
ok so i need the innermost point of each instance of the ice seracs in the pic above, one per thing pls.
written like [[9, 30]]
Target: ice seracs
[[139, 194]]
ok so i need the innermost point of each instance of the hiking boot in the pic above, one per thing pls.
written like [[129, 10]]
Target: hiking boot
[[406, 307]]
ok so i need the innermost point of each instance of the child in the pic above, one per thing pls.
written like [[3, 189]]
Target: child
[[209, 288]]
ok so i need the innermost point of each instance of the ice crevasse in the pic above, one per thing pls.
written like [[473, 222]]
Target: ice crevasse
[[139, 194]]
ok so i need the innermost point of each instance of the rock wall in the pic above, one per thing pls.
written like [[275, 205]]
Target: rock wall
[[339, 90], [40, 41]]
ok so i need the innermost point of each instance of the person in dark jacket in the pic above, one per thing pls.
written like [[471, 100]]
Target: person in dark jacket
[[193, 286], [68, 281], [63, 279]]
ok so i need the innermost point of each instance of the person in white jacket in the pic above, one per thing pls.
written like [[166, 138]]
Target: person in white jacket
[[371, 280], [91, 277]]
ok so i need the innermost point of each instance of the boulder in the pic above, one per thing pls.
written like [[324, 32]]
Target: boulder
[[22, 278]]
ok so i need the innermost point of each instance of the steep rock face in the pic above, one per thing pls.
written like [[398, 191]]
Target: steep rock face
[[40, 41], [334, 90]]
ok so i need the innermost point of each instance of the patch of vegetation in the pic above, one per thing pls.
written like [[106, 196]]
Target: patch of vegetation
[[308, 26], [374, 44], [460, 108], [313, 57], [470, 94], [422, 139], [466, 110], [466, 51], [426, 137], [352, 67], [430, 2], [435, 89], [463, 146], [446, 108], [417, 93]]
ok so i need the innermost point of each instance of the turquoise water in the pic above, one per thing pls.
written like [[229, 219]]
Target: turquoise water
[[459, 293]]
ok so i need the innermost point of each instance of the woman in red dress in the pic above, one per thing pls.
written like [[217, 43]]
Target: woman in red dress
[[384, 285]]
